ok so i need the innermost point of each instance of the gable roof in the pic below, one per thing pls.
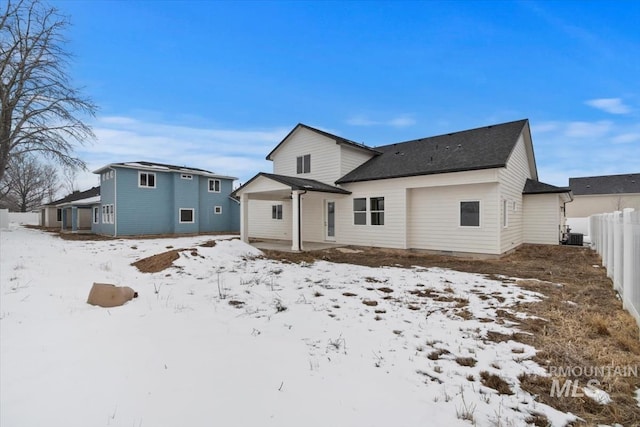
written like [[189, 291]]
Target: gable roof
[[296, 183], [606, 184], [77, 195], [336, 138], [481, 148], [162, 167], [537, 187]]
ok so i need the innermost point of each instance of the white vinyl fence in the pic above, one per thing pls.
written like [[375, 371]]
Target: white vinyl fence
[[616, 237]]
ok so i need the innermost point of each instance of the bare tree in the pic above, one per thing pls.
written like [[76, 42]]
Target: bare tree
[[69, 183], [28, 183], [40, 109]]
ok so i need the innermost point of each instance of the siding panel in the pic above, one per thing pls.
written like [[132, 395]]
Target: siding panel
[[542, 218], [325, 155], [512, 180], [435, 219]]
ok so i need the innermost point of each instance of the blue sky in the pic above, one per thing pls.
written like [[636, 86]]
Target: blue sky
[[216, 85]]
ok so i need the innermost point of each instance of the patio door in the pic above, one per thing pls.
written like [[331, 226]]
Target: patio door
[[330, 220]]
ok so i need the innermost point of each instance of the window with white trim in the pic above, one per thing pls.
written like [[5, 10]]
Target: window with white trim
[[470, 213], [377, 210], [186, 176], [360, 211], [214, 185], [276, 212], [58, 215], [186, 216], [217, 210], [96, 215], [505, 213], [147, 179], [108, 214], [303, 164]]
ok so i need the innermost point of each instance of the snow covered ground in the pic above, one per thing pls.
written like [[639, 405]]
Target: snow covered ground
[[228, 338]]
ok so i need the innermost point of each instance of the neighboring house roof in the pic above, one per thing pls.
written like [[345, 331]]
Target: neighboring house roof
[[295, 183], [338, 139], [607, 184], [482, 148], [76, 195], [162, 167], [83, 202], [537, 187]]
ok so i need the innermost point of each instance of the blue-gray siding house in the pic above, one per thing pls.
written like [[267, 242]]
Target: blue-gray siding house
[[142, 198]]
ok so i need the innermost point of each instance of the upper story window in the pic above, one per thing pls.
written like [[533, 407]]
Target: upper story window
[[186, 176], [147, 179], [214, 185], [303, 164]]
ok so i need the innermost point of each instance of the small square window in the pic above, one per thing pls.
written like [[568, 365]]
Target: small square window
[[186, 216], [276, 212], [214, 185], [217, 210], [470, 214]]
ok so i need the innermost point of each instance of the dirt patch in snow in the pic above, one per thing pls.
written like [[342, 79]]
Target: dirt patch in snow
[[580, 323], [158, 262]]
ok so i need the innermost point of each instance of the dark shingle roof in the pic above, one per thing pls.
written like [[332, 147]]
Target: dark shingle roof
[[537, 187], [608, 184], [296, 183], [338, 139], [481, 148], [77, 195]]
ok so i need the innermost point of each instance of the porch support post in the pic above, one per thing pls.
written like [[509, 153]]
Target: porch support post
[[75, 218], [296, 237], [244, 217]]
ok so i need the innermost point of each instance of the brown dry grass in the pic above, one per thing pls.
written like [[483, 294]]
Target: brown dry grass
[[495, 382], [580, 321]]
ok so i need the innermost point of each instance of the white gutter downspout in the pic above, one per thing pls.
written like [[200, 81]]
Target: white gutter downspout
[[115, 202]]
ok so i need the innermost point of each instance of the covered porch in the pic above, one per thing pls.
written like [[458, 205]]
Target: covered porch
[[277, 208], [78, 215]]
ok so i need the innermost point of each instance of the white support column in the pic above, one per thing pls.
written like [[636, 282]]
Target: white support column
[[296, 238], [244, 217]]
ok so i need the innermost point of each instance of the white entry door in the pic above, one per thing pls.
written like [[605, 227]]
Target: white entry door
[[330, 220]]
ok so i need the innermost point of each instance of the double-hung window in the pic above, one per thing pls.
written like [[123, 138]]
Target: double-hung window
[[377, 210], [360, 211], [276, 212], [303, 164], [147, 179], [214, 185]]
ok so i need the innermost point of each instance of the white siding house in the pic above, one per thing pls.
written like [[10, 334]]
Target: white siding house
[[469, 192]]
